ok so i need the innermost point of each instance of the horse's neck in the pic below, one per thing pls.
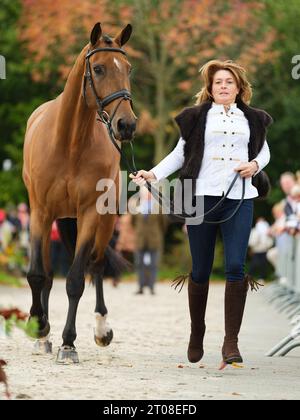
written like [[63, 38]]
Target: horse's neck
[[75, 119]]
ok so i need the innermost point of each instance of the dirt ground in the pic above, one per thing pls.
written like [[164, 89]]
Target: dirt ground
[[147, 357]]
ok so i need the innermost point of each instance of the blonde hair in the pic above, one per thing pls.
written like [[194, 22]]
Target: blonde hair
[[207, 75]]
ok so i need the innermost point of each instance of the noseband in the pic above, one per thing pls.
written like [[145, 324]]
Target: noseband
[[124, 94]]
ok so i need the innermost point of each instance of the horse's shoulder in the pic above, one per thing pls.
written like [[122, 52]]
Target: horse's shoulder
[[38, 112]]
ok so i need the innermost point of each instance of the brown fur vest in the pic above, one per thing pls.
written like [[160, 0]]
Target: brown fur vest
[[192, 121]]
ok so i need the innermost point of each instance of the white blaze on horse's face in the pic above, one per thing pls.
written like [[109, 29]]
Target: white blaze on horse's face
[[118, 64]]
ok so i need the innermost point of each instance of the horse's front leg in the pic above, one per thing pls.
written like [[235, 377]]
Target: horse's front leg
[[43, 345], [103, 334], [75, 286]]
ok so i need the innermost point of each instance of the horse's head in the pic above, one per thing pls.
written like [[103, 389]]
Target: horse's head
[[107, 85]]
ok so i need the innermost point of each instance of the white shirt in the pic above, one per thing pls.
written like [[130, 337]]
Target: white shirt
[[226, 147]]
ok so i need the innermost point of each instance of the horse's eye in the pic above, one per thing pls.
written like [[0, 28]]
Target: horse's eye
[[99, 70]]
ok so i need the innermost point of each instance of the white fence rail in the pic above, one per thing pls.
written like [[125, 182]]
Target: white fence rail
[[285, 293]]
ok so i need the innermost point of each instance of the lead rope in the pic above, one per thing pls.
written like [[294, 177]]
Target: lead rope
[[161, 200]]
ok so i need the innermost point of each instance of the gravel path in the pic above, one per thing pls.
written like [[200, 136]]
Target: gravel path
[[147, 358]]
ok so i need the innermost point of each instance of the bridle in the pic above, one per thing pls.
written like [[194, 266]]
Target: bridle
[[106, 119], [124, 94]]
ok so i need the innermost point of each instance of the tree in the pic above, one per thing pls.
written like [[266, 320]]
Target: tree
[[277, 91], [172, 39], [18, 98]]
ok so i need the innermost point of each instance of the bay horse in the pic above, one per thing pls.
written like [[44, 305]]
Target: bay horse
[[67, 150]]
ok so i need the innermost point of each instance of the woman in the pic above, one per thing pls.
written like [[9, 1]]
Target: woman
[[220, 136]]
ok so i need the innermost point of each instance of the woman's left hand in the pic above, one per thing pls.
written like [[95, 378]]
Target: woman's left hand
[[247, 169]]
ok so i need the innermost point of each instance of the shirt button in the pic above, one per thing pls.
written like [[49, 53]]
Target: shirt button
[[233, 132], [232, 145], [222, 113], [232, 113], [224, 120], [223, 145], [222, 158], [232, 121], [225, 132], [230, 158]]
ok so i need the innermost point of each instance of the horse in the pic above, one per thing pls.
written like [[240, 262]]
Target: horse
[[67, 150]]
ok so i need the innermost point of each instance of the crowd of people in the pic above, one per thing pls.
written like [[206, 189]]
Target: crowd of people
[[140, 237], [267, 241]]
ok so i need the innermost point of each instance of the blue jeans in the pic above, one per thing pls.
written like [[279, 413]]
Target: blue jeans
[[235, 234]]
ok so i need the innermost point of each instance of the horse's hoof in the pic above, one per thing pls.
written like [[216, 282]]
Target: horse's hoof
[[105, 340], [42, 346], [67, 356]]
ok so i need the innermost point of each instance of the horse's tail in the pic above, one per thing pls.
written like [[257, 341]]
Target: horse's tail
[[68, 233], [114, 263]]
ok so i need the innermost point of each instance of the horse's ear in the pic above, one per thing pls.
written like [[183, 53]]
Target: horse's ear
[[96, 34], [124, 35]]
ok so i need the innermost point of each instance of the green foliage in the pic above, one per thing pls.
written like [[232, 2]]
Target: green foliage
[[29, 327], [19, 96], [7, 279]]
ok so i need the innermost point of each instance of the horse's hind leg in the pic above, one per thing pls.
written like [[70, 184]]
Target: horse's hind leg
[[103, 334], [37, 275], [49, 274], [43, 344]]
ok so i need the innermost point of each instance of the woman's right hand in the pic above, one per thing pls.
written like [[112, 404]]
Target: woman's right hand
[[142, 176]]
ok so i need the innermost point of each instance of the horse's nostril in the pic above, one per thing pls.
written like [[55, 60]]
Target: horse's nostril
[[121, 125], [126, 129]]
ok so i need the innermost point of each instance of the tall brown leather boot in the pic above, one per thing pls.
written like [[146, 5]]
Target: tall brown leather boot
[[235, 299], [197, 303]]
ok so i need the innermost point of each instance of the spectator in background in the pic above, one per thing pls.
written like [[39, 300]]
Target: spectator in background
[[126, 243], [293, 218], [23, 216], [24, 219], [277, 231], [12, 218], [260, 242], [149, 230], [6, 231], [287, 181]]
